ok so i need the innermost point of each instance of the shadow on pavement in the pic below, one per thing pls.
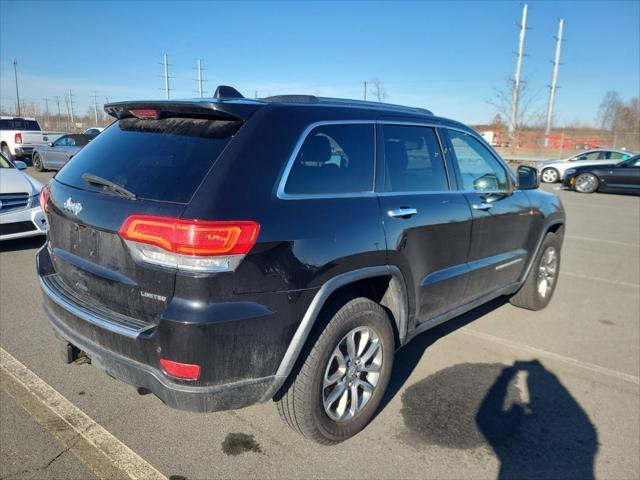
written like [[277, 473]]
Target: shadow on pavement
[[522, 411]]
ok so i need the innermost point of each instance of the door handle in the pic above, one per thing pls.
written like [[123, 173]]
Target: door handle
[[482, 206], [402, 212]]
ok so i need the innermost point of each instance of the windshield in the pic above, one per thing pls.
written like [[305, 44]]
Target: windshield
[[632, 162], [19, 124], [163, 160], [4, 163]]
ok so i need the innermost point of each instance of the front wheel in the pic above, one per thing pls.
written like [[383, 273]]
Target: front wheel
[[336, 391], [586, 183], [540, 284], [550, 175]]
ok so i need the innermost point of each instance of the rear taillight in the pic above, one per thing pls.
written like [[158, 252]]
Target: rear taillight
[[18, 138], [189, 244], [186, 371], [44, 199]]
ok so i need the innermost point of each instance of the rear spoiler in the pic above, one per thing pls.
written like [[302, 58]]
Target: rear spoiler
[[237, 109]]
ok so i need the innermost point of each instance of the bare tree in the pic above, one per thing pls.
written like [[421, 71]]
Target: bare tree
[[608, 107], [378, 90], [503, 102]]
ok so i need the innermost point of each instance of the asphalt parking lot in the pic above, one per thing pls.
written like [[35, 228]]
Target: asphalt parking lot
[[498, 391]]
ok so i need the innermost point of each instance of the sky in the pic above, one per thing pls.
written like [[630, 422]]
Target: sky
[[449, 57]]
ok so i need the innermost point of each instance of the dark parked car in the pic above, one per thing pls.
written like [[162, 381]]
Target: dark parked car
[[55, 155], [622, 177], [229, 251]]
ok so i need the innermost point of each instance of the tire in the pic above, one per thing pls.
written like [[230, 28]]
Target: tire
[[550, 175], [301, 402], [586, 183], [531, 294], [37, 162], [7, 153]]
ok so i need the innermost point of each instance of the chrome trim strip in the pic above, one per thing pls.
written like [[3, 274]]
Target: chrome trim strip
[[129, 332], [281, 194]]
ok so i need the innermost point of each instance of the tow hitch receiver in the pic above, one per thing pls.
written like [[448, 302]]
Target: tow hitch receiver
[[71, 353]]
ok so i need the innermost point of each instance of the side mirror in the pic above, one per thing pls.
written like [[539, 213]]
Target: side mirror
[[528, 178], [51, 144], [20, 165]]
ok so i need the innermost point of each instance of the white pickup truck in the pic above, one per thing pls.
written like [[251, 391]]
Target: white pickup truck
[[19, 136]]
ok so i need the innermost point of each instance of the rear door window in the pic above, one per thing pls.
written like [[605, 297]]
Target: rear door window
[[334, 159], [163, 160], [413, 160]]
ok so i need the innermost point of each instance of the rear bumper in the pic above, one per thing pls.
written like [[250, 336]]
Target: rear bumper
[[23, 151], [238, 347], [197, 399], [28, 222]]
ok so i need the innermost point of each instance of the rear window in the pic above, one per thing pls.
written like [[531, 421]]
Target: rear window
[[19, 125], [162, 160]]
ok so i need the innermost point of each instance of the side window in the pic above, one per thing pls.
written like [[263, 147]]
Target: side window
[[587, 156], [334, 159], [71, 142], [413, 160], [479, 169], [61, 142], [616, 156]]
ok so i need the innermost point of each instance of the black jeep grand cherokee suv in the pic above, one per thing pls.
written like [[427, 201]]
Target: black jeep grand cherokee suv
[[228, 251]]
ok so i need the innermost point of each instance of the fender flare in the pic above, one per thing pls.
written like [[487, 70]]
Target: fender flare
[[547, 226], [315, 307]]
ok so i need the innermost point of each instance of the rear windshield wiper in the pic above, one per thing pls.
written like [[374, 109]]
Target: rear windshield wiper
[[96, 180]]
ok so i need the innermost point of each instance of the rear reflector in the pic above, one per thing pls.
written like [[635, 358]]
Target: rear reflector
[[189, 244], [44, 199], [187, 371]]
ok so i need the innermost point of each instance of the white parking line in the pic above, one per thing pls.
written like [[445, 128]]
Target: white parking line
[[43, 401], [554, 356], [600, 279], [612, 242]]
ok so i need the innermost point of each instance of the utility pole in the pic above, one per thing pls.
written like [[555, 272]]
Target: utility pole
[[255, 94], [554, 83], [59, 114], [515, 93], [71, 109], [365, 90], [15, 73], [165, 76], [200, 79], [68, 114], [95, 108], [46, 103]]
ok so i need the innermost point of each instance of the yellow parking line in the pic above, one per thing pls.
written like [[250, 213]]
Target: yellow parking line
[[103, 453]]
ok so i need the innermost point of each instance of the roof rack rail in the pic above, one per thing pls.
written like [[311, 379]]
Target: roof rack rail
[[311, 99]]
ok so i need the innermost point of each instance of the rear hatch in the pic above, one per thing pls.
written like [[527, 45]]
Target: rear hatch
[[138, 166]]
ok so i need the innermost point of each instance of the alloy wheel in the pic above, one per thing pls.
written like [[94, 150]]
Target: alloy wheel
[[547, 271], [352, 374]]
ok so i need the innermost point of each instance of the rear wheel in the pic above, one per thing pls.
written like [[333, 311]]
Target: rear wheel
[[336, 391], [586, 183], [550, 175], [540, 284], [37, 162]]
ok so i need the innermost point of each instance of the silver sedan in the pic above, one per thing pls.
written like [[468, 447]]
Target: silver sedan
[[55, 155]]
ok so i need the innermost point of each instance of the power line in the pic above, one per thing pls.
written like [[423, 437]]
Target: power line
[[554, 81]]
